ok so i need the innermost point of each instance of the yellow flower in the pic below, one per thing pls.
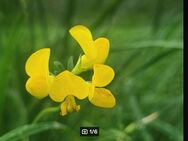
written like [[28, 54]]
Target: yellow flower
[[98, 96], [37, 68], [41, 83], [69, 105], [67, 84], [96, 51]]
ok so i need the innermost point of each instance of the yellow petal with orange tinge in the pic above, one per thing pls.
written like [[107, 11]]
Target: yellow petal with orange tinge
[[37, 86], [102, 45], [64, 108], [103, 98], [69, 105], [103, 75], [84, 37], [37, 63], [66, 84]]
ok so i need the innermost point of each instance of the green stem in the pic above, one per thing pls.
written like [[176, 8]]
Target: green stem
[[77, 69], [44, 112], [140, 123]]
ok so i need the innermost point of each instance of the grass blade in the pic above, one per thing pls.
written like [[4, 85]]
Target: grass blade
[[28, 130]]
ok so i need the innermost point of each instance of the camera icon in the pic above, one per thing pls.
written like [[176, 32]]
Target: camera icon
[[84, 131]]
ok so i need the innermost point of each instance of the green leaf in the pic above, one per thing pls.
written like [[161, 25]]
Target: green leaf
[[58, 64], [169, 130], [28, 130], [58, 67], [70, 63]]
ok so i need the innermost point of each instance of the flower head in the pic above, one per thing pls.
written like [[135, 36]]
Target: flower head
[[66, 86], [99, 96], [41, 83], [95, 51]]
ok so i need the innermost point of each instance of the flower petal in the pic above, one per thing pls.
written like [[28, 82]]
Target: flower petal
[[37, 63], [102, 45], [87, 63], [103, 75], [66, 84], [91, 90], [64, 108], [69, 105], [103, 98], [84, 37], [38, 86]]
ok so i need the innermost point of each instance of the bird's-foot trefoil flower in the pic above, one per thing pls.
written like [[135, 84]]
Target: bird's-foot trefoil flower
[[95, 51], [80, 91], [99, 96], [41, 83], [67, 86], [37, 69]]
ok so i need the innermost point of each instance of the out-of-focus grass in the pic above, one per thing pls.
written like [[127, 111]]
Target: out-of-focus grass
[[146, 53]]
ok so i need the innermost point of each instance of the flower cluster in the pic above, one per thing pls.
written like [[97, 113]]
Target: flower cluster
[[66, 86]]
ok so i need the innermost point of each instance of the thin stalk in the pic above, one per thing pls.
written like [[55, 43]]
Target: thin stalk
[[44, 112]]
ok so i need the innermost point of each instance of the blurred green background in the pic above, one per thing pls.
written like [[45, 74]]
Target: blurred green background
[[146, 39]]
